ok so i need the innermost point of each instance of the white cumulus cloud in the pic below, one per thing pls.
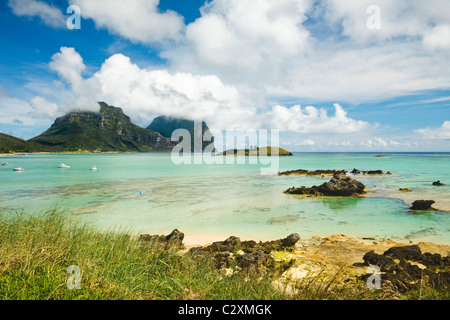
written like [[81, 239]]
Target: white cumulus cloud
[[438, 37], [43, 109], [307, 142], [319, 50], [443, 132], [401, 18], [313, 120], [50, 15], [145, 93], [137, 20], [249, 43], [68, 64]]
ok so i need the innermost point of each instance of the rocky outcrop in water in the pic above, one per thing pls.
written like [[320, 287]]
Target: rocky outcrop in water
[[339, 185], [328, 172], [422, 205], [438, 183], [303, 172], [370, 172], [405, 268]]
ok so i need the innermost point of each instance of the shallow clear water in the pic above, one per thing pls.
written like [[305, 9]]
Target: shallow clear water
[[149, 193]]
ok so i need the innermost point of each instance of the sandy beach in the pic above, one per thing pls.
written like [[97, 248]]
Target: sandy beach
[[11, 154], [341, 251], [340, 241]]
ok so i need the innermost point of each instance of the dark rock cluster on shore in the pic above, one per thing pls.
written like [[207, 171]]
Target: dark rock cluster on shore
[[405, 268], [232, 251], [173, 240], [402, 268], [248, 254], [339, 185]]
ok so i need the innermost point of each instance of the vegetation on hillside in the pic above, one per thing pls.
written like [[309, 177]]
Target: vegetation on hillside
[[108, 130], [167, 125], [10, 144]]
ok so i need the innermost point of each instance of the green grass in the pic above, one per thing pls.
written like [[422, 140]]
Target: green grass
[[35, 252], [37, 249]]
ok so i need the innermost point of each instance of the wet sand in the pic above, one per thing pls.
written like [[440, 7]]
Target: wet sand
[[438, 194]]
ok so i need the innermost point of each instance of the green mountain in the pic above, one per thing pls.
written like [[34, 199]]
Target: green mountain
[[107, 130], [10, 144], [167, 125]]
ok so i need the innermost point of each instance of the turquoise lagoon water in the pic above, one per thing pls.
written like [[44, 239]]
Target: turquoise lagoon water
[[148, 193]]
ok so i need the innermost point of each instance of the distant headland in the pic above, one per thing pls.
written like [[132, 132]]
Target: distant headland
[[109, 130]]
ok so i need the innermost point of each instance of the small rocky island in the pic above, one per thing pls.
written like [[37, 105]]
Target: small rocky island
[[339, 185], [263, 151]]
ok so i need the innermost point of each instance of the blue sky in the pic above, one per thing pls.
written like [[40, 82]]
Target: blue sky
[[330, 76]]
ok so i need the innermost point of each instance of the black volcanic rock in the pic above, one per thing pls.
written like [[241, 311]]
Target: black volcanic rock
[[371, 172], [303, 172], [438, 183], [290, 240], [107, 130], [422, 205], [254, 259], [400, 270], [248, 254], [339, 185], [173, 240], [329, 172], [407, 252]]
